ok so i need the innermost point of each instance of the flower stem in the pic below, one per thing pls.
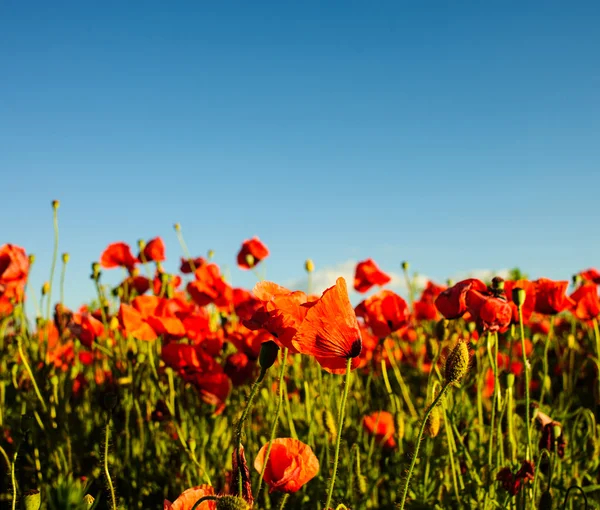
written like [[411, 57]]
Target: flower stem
[[418, 444], [528, 453], [597, 336], [30, 372], [111, 487], [339, 432], [275, 419]]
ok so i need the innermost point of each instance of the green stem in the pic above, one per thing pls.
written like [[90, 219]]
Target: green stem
[[597, 337], [545, 360], [30, 372], [52, 269], [275, 419], [283, 501], [13, 479], [240, 425], [342, 410], [111, 487], [62, 282], [418, 444], [528, 453]]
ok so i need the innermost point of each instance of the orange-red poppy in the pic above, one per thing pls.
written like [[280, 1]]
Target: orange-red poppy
[[291, 465], [490, 312], [591, 275], [381, 425], [528, 306], [188, 266], [384, 312], [452, 302], [188, 499], [154, 251], [368, 274], [330, 331], [550, 296], [118, 255], [14, 269], [252, 252], [209, 287], [424, 308], [587, 304]]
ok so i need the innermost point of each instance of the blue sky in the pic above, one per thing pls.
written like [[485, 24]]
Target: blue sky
[[456, 135]]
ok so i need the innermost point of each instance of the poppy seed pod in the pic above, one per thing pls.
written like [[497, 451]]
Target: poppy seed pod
[[31, 259], [65, 258], [457, 363], [518, 296], [45, 288], [441, 331], [32, 499], [95, 270], [498, 283], [55, 204], [309, 265], [231, 503], [405, 265], [268, 354], [88, 499]]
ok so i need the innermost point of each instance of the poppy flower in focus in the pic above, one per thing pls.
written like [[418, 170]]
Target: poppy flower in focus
[[550, 296], [368, 274], [424, 308], [381, 424], [330, 331], [251, 253], [452, 302], [188, 266], [291, 465], [591, 275], [587, 304], [154, 251], [490, 312], [528, 306], [189, 497], [118, 255], [384, 312]]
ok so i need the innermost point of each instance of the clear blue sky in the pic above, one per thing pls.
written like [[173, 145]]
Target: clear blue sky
[[456, 135]]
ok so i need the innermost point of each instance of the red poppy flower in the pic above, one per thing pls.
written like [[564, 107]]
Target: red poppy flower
[[86, 329], [587, 304], [188, 266], [591, 275], [248, 341], [330, 331], [529, 304], [281, 314], [368, 274], [14, 269], [381, 424], [245, 304], [209, 287], [189, 497], [490, 312], [148, 317], [513, 482], [118, 255], [550, 296], [251, 253], [154, 251], [240, 368], [424, 308], [384, 312], [133, 286], [452, 302], [291, 465]]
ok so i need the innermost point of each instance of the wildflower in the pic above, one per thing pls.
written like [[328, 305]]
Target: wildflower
[[384, 312], [118, 255], [381, 425], [153, 251], [550, 296], [291, 465], [251, 253], [368, 274], [189, 497]]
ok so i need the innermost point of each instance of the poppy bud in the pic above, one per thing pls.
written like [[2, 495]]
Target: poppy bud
[[95, 270], [65, 258], [88, 499], [177, 227], [449, 282], [231, 503], [32, 499], [576, 280], [268, 354], [556, 429], [545, 501], [141, 244], [309, 265], [31, 259], [55, 204], [432, 427], [110, 401], [518, 296], [192, 444], [510, 380], [45, 288], [405, 265], [210, 254], [441, 333]]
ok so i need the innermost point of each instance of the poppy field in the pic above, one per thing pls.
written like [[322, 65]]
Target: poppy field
[[182, 392]]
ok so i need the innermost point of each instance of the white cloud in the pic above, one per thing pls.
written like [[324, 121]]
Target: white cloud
[[326, 277]]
